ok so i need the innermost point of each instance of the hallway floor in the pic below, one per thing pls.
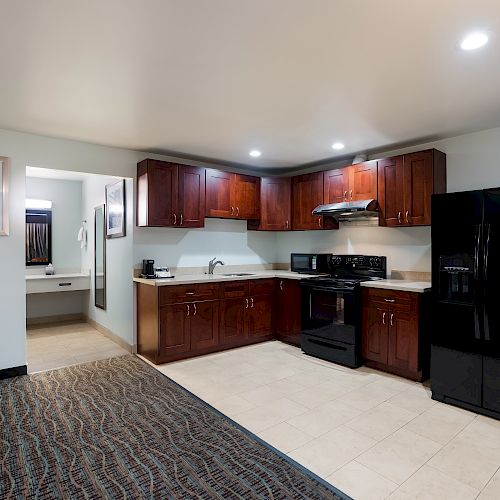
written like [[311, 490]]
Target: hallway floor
[[370, 434], [64, 344]]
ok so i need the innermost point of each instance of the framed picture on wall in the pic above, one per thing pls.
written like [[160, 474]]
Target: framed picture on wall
[[115, 209], [4, 196]]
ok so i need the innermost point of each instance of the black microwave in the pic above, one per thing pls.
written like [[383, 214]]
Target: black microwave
[[310, 263]]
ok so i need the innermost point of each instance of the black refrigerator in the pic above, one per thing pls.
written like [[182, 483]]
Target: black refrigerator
[[465, 336]]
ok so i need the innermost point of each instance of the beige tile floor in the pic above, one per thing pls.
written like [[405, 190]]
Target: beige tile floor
[[57, 345], [370, 434]]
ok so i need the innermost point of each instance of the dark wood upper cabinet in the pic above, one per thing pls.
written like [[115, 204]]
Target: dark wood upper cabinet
[[363, 181], [336, 185], [390, 191], [275, 205], [170, 195], [246, 196], [218, 194], [356, 182], [191, 196], [406, 184], [232, 196], [307, 194]]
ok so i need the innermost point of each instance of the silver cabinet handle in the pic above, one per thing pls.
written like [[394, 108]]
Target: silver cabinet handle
[[175, 219], [399, 217], [181, 219], [390, 300], [237, 211], [351, 194], [392, 319], [188, 312], [251, 299], [406, 216], [232, 210], [190, 293], [281, 285], [319, 222], [246, 301], [287, 224], [383, 318], [195, 310], [345, 195]]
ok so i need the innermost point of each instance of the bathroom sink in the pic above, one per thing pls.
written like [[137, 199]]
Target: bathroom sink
[[238, 274]]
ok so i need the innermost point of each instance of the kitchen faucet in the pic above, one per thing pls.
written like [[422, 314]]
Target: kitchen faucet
[[212, 264]]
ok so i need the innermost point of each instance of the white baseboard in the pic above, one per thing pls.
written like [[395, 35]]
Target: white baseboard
[[57, 318], [111, 335]]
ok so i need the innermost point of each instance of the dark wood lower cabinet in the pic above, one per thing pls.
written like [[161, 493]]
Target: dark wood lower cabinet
[[204, 325], [261, 317], [181, 321], [232, 322], [288, 307], [395, 332]]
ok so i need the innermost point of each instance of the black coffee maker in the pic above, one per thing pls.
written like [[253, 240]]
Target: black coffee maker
[[148, 269]]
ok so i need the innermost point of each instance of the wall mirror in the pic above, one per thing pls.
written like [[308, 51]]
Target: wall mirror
[[100, 257], [38, 237]]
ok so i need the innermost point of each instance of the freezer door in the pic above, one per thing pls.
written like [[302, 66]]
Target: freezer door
[[457, 269], [491, 271]]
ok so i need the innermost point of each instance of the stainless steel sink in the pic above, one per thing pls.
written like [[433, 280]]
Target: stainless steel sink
[[239, 274]]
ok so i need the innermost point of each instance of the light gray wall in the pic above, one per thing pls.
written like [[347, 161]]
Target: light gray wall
[[119, 313], [66, 197]]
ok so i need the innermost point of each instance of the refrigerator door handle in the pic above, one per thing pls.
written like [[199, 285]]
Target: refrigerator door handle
[[486, 322], [476, 252], [477, 327]]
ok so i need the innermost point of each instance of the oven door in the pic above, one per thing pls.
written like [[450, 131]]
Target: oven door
[[330, 313]]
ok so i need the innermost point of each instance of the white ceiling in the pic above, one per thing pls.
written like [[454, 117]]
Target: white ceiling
[[216, 78]]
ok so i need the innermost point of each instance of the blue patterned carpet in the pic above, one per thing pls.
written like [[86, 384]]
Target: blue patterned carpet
[[118, 428]]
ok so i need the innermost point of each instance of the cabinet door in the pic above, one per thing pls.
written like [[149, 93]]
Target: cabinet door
[[260, 319], [336, 185], [275, 201], [363, 181], [191, 197], [174, 329], [232, 322], [204, 325], [288, 306], [307, 194], [156, 193], [375, 333], [403, 341], [418, 180], [218, 194], [245, 196], [391, 191]]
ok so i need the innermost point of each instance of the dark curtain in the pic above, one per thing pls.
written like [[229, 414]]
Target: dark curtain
[[37, 242]]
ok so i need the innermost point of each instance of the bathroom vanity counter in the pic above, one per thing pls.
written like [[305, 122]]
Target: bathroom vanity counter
[[41, 283]]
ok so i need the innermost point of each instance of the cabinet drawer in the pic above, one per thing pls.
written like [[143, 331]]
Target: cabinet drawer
[[261, 287], [172, 294], [391, 299], [235, 289]]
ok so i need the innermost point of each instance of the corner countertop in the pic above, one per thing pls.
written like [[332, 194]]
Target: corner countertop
[[30, 277], [402, 285], [186, 279]]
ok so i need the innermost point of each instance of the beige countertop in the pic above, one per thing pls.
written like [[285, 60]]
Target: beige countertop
[[402, 285], [185, 279]]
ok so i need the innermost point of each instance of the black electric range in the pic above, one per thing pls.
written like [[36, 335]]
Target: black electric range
[[331, 308]]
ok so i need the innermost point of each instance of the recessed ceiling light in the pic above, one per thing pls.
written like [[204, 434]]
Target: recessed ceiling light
[[255, 153], [474, 41], [337, 146]]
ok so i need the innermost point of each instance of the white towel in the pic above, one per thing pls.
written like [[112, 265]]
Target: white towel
[[82, 237]]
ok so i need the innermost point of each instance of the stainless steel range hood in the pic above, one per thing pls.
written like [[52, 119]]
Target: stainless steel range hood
[[349, 210]]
